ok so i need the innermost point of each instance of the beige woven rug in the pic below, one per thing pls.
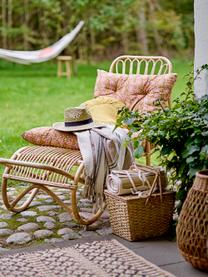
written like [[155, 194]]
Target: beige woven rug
[[95, 259]]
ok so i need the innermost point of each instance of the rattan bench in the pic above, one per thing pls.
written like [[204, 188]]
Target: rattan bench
[[43, 168]]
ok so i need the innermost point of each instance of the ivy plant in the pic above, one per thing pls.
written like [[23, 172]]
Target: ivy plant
[[179, 134]]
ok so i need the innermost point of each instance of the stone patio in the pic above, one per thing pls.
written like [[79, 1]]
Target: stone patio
[[46, 225], [45, 221]]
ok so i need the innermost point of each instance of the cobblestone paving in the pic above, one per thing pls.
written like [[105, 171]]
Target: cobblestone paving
[[45, 222]]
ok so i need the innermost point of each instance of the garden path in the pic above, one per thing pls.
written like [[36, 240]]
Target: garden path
[[45, 225], [45, 221]]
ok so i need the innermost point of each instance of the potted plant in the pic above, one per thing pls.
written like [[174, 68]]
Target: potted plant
[[179, 134]]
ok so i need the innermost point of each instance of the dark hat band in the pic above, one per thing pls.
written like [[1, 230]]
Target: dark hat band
[[78, 123]]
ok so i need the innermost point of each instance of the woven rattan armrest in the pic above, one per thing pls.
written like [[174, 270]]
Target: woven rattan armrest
[[43, 167]]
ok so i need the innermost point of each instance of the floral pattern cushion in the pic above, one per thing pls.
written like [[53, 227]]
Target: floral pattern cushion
[[47, 136], [109, 84], [137, 92]]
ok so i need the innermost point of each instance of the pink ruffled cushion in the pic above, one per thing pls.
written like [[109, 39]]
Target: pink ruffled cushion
[[138, 92], [47, 136]]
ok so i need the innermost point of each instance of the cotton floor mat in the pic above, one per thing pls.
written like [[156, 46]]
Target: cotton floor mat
[[95, 259]]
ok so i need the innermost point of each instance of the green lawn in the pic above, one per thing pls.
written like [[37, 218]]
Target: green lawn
[[32, 96]]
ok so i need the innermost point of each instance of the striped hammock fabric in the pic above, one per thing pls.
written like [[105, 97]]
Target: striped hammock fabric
[[38, 56]]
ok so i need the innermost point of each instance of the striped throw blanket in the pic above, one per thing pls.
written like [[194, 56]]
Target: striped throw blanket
[[103, 149]]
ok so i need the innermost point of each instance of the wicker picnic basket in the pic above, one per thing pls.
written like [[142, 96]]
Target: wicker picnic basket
[[141, 216], [134, 219]]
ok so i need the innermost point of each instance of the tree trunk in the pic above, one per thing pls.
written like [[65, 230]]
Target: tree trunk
[[141, 31], [125, 42], [201, 46], [10, 13], [26, 23], [44, 29], [4, 23], [92, 43], [10, 7], [125, 33], [153, 5], [84, 49]]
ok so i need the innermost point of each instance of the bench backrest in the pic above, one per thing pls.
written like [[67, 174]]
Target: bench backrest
[[150, 65]]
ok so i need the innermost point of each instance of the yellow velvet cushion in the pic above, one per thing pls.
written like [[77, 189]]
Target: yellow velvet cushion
[[103, 109]]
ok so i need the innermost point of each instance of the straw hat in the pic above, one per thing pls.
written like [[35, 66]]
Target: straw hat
[[76, 119]]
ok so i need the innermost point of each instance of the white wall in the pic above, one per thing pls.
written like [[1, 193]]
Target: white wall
[[201, 45]]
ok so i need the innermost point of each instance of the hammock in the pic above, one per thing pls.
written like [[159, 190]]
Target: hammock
[[38, 56]]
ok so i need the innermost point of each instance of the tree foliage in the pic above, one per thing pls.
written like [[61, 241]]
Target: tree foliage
[[111, 27]]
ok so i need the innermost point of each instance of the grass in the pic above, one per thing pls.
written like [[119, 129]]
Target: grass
[[32, 96]]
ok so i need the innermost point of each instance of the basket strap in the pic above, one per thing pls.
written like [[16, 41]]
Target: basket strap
[[141, 177], [133, 190], [157, 179], [144, 168]]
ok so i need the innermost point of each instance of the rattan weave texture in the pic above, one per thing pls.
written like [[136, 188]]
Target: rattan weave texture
[[40, 168], [192, 228], [133, 218]]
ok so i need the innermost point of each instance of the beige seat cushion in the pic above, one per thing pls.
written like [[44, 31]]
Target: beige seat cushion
[[47, 136], [138, 92]]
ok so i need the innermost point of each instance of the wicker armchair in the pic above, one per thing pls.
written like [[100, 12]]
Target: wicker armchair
[[43, 168]]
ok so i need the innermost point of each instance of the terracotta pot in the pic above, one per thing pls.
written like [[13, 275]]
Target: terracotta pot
[[192, 228]]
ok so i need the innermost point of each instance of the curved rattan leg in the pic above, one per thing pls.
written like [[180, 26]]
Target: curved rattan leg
[[75, 210], [35, 188], [11, 205], [76, 213], [54, 196]]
